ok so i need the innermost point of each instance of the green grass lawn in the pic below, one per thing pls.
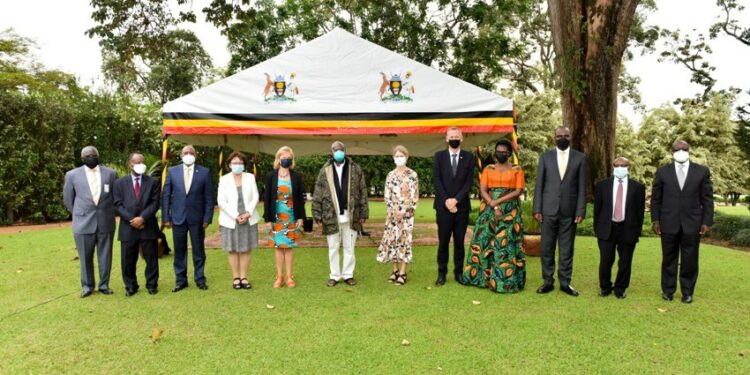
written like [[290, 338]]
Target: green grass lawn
[[46, 328], [739, 210]]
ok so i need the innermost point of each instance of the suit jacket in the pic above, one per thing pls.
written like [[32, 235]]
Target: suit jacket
[[566, 197], [688, 208], [635, 206], [448, 186], [269, 195], [128, 207], [192, 207], [90, 218], [227, 199]]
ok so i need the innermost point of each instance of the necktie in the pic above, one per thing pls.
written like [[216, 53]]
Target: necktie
[[137, 187], [188, 178], [681, 175], [618, 202], [563, 159], [454, 164], [95, 188]]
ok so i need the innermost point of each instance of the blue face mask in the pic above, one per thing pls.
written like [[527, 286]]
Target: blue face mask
[[621, 172], [238, 168], [339, 155], [286, 163]]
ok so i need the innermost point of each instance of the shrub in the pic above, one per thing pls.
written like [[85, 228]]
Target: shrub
[[741, 238], [530, 225], [726, 226]]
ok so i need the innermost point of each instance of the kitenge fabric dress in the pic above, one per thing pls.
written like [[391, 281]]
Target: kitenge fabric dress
[[495, 259], [401, 195], [284, 234]]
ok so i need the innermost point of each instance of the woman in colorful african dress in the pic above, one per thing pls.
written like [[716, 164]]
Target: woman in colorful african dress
[[401, 196], [495, 259], [284, 205]]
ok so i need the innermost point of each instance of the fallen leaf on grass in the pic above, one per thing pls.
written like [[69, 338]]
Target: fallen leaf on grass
[[476, 302], [75, 258], [744, 353], [349, 290], [405, 343], [19, 270], [440, 369], [270, 307], [429, 288], [661, 310], [156, 335]]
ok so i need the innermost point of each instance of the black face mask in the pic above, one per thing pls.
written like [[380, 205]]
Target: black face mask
[[286, 163], [91, 161], [563, 143], [501, 157], [454, 143]]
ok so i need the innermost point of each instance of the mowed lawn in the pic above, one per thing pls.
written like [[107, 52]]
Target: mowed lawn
[[46, 328]]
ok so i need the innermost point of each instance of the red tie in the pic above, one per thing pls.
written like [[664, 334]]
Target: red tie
[[618, 203], [138, 188]]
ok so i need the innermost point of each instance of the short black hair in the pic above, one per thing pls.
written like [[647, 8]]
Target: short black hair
[[506, 143]]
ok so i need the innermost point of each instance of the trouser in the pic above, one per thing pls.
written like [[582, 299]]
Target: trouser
[[85, 244], [561, 232], [179, 241], [683, 249], [451, 225], [129, 260], [607, 249], [346, 236]]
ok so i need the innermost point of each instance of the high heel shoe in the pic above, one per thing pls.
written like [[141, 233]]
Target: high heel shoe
[[279, 282]]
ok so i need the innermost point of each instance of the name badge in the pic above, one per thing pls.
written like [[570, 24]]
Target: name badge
[[106, 188]]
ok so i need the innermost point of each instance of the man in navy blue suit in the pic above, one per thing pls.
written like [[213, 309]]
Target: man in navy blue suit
[[187, 207]]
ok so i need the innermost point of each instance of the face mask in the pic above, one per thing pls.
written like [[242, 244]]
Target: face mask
[[238, 168], [339, 155], [286, 163], [681, 156], [139, 168], [399, 160], [621, 172], [454, 143], [563, 143], [91, 161], [188, 159], [502, 158]]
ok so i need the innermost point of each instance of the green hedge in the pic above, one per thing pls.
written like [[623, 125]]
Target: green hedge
[[732, 228]]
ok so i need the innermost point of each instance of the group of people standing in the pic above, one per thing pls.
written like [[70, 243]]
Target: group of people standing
[[681, 211]]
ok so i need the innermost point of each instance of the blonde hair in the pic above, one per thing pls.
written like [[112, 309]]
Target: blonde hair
[[400, 149], [277, 160]]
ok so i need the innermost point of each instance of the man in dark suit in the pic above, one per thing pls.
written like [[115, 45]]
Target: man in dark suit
[[452, 175], [136, 202], [87, 194], [188, 207], [682, 209], [619, 203], [560, 205]]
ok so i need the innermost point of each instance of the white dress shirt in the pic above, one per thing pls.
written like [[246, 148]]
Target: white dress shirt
[[677, 169], [624, 196], [187, 172], [562, 161], [94, 178]]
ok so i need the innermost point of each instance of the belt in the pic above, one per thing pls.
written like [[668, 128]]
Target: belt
[[615, 223]]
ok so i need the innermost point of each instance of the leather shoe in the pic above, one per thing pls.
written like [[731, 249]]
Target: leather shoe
[[667, 296], [350, 281], [440, 280], [687, 298], [569, 290], [605, 292], [86, 293], [203, 286], [331, 283], [178, 288], [620, 295], [546, 288], [153, 291], [130, 292], [106, 291]]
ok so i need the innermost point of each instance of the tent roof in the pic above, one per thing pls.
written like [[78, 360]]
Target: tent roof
[[337, 87]]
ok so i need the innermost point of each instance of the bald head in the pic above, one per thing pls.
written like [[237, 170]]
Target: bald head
[[188, 150], [680, 145]]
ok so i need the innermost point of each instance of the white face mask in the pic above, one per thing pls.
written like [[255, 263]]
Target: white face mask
[[139, 168], [399, 160], [621, 172], [188, 159], [681, 156]]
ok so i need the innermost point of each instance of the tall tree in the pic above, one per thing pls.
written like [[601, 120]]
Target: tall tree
[[590, 38]]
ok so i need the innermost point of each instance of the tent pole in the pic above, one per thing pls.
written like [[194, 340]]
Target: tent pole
[[164, 151]]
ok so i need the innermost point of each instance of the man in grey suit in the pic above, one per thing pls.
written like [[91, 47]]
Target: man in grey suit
[[88, 195], [559, 204]]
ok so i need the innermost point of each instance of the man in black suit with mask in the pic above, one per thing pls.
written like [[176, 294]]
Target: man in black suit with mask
[[682, 210], [560, 205], [619, 203], [452, 175]]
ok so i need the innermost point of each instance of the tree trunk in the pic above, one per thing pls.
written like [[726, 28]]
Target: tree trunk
[[9, 214], [589, 39]]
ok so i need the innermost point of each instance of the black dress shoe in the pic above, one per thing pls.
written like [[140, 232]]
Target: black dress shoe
[[153, 291], [569, 290], [440, 280], [605, 292], [667, 296], [459, 278], [106, 291], [687, 298], [203, 286], [546, 288], [620, 295], [130, 292], [178, 288], [86, 293]]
